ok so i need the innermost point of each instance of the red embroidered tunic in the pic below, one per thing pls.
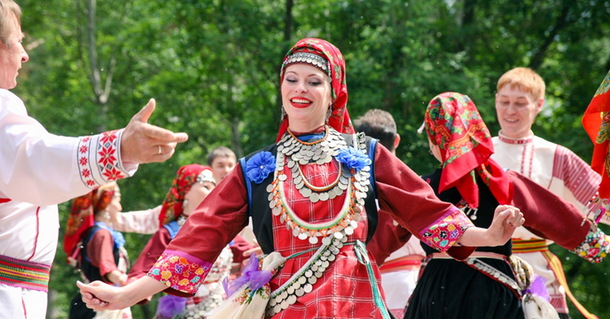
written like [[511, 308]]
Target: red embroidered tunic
[[344, 290]]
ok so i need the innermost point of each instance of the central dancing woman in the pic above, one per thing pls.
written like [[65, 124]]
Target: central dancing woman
[[311, 196]]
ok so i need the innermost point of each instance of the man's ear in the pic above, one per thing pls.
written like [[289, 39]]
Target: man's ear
[[539, 105], [396, 141]]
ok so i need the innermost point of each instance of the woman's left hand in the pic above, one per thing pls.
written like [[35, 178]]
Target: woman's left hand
[[506, 219]]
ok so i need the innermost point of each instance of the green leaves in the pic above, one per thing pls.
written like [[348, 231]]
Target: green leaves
[[213, 67]]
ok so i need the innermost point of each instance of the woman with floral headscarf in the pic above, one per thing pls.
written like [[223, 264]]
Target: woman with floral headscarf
[[484, 286], [96, 248], [311, 196], [191, 185]]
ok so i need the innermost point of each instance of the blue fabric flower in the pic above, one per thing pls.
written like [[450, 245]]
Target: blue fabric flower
[[353, 158], [259, 166]]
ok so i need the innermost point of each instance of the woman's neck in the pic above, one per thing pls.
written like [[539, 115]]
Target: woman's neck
[[317, 129], [304, 126], [101, 219]]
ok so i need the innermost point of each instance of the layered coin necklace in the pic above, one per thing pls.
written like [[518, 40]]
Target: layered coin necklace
[[353, 181], [291, 154]]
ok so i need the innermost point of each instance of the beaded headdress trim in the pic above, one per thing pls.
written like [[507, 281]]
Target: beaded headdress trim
[[308, 58], [206, 176]]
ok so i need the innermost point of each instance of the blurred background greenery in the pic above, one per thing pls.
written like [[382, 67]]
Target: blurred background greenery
[[213, 67]]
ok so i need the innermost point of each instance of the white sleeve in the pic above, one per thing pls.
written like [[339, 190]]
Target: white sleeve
[[43, 169], [141, 222]]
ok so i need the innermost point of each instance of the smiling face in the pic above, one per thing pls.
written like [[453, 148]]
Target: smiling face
[[516, 110], [306, 96], [12, 55]]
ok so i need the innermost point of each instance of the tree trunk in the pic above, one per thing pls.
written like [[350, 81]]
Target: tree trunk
[[287, 36], [561, 22], [466, 25]]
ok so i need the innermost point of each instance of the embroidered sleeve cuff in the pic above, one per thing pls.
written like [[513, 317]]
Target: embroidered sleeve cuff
[[180, 271], [446, 230], [99, 159], [595, 247]]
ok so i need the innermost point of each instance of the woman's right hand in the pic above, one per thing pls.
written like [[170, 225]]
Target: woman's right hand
[[100, 296]]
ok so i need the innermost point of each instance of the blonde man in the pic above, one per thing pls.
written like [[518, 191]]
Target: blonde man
[[519, 99]]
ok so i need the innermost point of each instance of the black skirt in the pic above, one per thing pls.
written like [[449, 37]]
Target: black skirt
[[452, 289]]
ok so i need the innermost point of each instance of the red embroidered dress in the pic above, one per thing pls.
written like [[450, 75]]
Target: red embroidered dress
[[344, 290], [289, 220]]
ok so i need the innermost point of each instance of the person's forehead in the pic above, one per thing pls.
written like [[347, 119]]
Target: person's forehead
[[514, 92], [223, 159], [304, 68]]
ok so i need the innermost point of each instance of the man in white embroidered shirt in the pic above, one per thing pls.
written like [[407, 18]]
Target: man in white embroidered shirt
[[519, 99], [38, 170]]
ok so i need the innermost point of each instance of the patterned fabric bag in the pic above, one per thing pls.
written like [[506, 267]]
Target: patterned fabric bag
[[252, 295], [535, 300]]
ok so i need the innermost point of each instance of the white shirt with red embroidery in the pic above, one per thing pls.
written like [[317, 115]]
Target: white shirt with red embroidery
[[39, 170], [141, 221], [559, 170]]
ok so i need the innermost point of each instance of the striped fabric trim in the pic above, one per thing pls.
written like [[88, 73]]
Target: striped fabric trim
[[578, 177], [529, 246], [557, 268], [403, 263], [24, 274]]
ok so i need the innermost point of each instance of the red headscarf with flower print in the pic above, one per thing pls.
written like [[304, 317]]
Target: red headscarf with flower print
[[597, 124], [453, 123], [172, 205], [339, 118], [82, 214]]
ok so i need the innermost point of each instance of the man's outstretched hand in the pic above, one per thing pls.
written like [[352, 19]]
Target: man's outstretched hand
[[145, 143]]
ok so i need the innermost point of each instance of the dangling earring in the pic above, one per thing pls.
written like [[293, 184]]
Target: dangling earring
[[106, 215], [184, 203], [329, 112], [283, 116]]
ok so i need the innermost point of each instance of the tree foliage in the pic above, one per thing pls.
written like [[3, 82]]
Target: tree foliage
[[213, 67]]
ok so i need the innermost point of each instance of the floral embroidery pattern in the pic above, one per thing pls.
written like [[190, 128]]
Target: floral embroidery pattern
[[595, 247], [179, 273], [259, 166], [353, 158], [446, 232], [99, 160]]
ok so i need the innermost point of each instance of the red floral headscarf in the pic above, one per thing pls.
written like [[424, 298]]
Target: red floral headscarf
[[82, 214], [597, 124], [339, 119], [172, 205], [453, 123]]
